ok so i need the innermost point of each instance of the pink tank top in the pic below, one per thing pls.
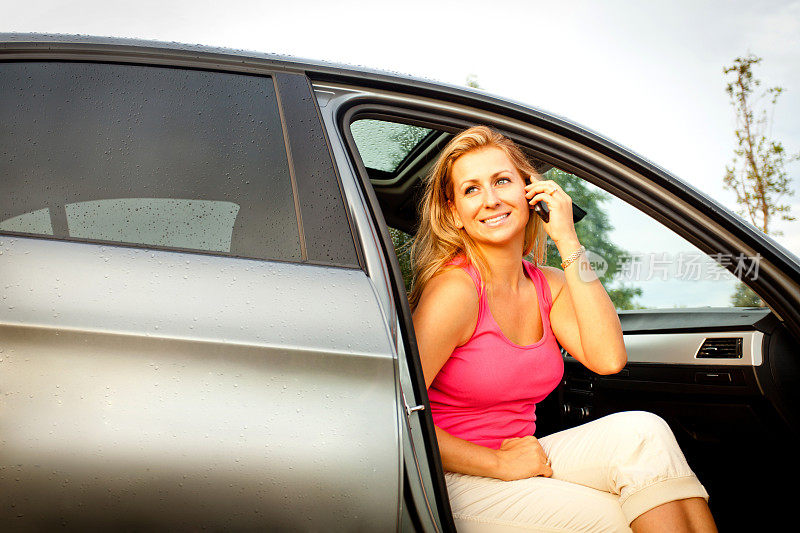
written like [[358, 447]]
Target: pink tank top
[[488, 389]]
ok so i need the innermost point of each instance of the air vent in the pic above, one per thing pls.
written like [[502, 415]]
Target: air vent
[[721, 348]]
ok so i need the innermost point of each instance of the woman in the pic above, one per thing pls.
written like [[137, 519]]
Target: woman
[[488, 325]]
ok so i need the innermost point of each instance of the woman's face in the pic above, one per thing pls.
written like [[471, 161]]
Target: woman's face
[[489, 197]]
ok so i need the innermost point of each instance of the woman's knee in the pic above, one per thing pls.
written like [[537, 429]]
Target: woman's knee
[[642, 428], [641, 422]]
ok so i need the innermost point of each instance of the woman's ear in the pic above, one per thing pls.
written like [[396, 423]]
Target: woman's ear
[[456, 218]]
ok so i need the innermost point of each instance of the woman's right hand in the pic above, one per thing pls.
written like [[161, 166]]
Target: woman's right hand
[[522, 457]]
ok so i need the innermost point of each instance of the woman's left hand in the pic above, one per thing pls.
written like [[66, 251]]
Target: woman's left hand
[[561, 226]]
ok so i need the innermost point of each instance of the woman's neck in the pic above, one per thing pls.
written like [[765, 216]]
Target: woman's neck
[[505, 266]]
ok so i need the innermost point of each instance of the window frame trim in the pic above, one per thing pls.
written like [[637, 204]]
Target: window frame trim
[[613, 176]]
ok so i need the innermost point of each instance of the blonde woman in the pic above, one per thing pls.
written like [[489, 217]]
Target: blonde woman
[[488, 326]]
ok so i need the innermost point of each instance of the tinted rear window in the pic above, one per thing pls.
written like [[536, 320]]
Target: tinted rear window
[[152, 156]]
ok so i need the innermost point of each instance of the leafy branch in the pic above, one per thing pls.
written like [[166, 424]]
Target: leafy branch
[[757, 173]]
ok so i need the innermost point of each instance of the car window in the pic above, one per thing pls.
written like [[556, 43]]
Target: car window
[[641, 263], [384, 145], [152, 156], [645, 265], [37, 222]]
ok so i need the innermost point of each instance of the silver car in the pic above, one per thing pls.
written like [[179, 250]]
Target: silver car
[[203, 320]]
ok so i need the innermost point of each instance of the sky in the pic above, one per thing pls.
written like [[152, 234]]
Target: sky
[[646, 74]]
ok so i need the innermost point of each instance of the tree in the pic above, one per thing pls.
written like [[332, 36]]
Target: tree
[[472, 81], [743, 296], [757, 173]]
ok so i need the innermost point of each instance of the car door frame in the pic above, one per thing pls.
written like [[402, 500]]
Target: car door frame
[[627, 176]]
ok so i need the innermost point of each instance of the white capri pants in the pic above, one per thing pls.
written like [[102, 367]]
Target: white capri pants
[[605, 474]]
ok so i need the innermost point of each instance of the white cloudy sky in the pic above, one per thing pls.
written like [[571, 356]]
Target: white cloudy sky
[[647, 74]]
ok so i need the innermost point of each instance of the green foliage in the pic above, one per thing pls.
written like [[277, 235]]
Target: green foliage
[[402, 246], [593, 232], [757, 173], [382, 144], [743, 296]]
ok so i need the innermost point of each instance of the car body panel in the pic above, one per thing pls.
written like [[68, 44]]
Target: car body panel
[[168, 388]]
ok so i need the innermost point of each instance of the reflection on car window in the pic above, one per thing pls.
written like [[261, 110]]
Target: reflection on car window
[[643, 264], [36, 222], [402, 242], [384, 145], [168, 222]]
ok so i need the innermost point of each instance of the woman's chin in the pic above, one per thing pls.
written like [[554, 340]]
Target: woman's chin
[[497, 238]]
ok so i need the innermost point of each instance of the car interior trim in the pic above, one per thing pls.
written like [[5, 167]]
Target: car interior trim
[[685, 320], [682, 348]]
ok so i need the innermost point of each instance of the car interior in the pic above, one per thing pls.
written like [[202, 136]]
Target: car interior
[[723, 376]]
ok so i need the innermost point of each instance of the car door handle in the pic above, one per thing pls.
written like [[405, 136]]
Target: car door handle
[[410, 410]]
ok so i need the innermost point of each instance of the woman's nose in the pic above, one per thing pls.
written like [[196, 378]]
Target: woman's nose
[[490, 198]]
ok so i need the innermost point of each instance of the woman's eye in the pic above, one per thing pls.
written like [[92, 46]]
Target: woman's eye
[[471, 189], [503, 180]]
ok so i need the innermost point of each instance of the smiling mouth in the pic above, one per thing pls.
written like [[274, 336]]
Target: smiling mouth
[[495, 220]]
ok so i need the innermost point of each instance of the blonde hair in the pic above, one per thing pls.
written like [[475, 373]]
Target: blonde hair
[[438, 240]]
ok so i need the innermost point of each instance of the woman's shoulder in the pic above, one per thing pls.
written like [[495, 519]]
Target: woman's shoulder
[[450, 292], [450, 303], [452, 283]]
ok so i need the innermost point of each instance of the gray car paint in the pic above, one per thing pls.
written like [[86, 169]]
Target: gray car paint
[[145, 388]]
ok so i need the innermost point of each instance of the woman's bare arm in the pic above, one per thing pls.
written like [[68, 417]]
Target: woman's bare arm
[[517, 458], [583, 317]]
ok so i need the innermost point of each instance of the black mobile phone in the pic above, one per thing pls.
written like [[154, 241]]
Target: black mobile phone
[[541, 209]]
